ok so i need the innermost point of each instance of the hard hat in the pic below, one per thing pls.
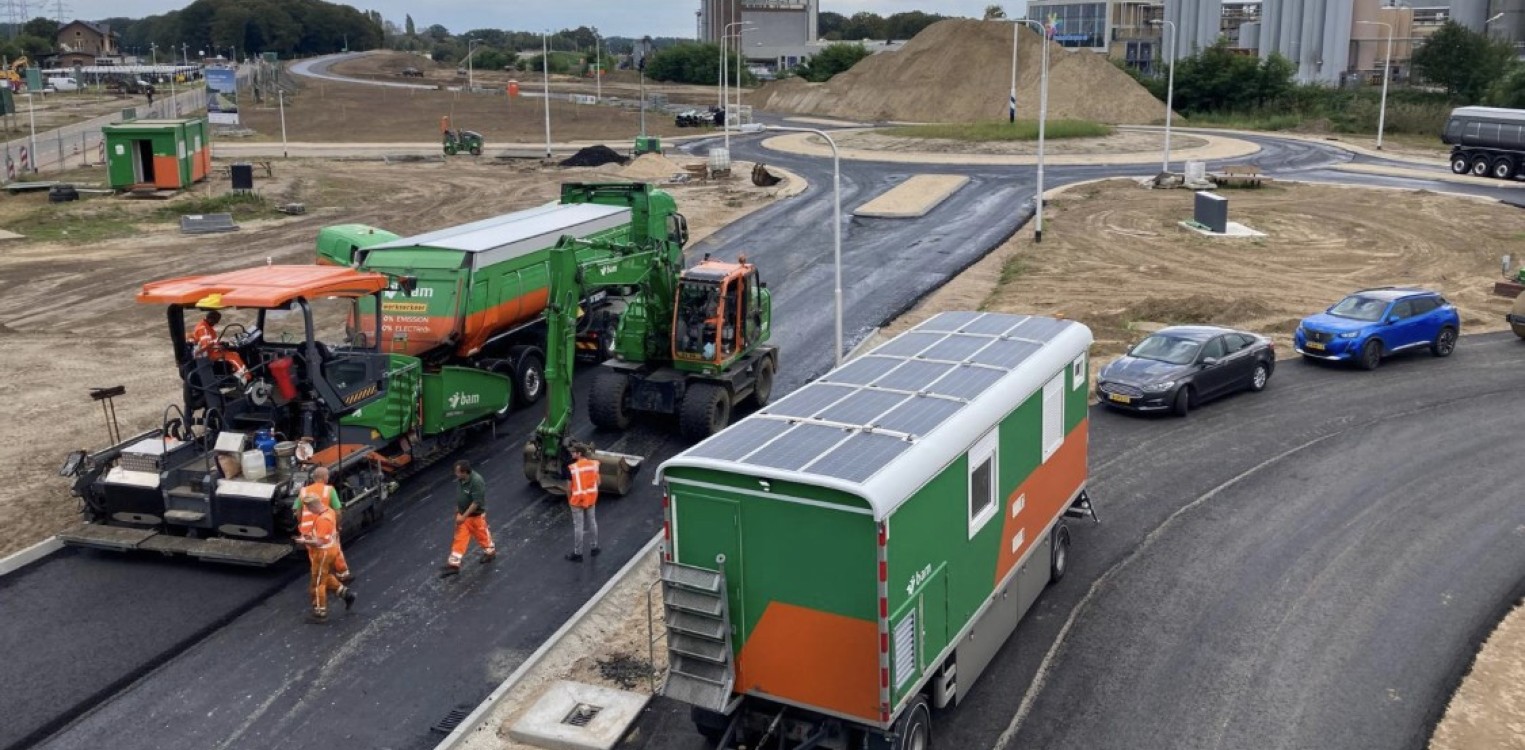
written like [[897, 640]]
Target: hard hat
[[210, 302]]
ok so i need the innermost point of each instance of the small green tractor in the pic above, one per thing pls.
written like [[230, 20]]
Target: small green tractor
[[457, 140]]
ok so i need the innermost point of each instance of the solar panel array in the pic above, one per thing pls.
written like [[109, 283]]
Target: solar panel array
[[855, 420]]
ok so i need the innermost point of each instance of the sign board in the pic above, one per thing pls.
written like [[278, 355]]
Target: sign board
[[7, 101], [34, 79], [222, 96]]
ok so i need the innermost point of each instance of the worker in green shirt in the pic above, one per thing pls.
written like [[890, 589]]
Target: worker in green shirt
[[320, 488], [470, 518]]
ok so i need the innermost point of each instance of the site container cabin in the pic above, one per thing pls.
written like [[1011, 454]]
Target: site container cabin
[[858, 551], [163, 154]]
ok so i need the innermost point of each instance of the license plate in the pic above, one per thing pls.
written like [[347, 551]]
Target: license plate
[[1119, 398], [1316, 346]]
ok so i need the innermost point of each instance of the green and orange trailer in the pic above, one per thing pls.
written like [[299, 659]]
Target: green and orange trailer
[[847, 560]]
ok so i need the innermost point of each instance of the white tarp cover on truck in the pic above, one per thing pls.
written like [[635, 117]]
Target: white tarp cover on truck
[[509, 236], [881, 426]]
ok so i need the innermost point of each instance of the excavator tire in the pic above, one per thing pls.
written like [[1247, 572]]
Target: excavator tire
[[606, 401], [762, 389], [704, 411]]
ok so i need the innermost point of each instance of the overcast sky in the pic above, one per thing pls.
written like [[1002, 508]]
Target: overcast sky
[[611, 17]]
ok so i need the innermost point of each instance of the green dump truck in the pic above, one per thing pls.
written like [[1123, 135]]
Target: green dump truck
[[476, 293], [850, 558]]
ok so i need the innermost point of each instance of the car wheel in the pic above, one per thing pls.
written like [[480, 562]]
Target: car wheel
[[1260, 377], [1371, 355], [1459, 164], [1480, 166], [1182, 404], [1444, 343]]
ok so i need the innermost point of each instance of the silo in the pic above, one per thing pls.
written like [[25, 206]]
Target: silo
[[1311, 38], [1209, 23], [1288, 36], [1470, 13], [1249, 36], [1270, 28], [1512, 25], [1335, 46]]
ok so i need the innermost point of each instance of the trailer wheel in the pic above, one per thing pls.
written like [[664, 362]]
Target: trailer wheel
[[606, 401], [1460, 163], [1503, 168], [1480, 166], [1061, 553], [762, 389], [528, 374], [914, 730], [704, 411]]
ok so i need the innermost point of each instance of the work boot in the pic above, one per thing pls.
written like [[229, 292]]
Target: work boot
[[345, 577], [488, 557], [449, 570], [317, 617], [574, 557], [594, 551], [348, 595]]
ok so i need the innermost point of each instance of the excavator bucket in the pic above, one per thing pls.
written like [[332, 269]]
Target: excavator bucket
[[616, 471]]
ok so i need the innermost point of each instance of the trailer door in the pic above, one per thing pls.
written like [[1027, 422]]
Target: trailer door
[[708, 531]]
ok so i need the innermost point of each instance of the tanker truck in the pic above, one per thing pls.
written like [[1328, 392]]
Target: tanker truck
[[475, 294], [1486, 141]]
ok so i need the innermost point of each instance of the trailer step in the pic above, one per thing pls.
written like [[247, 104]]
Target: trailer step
[[689, 600], [699, 669], [700, 693], [699, 625], [100, 536], [242, 552], [696, 647], [691, 577]]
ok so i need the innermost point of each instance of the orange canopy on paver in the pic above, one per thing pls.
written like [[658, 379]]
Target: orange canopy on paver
[[265, 286]]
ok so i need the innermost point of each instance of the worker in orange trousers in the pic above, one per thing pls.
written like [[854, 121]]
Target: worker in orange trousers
[[328, 497], [205, 343], [322, 547], [470, 519], [582, 497]]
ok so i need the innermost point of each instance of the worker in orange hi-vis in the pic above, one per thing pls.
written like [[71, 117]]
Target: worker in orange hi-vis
[[328, 497], [470, 519], [206, 344], [582, 497], [322, 546]]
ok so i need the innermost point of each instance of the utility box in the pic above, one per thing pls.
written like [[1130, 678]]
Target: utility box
[[242, 175], [165, 154], [647, 144], [1212, 212]]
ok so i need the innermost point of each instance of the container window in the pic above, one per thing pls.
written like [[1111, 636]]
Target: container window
[[905, 649], [1078, 372], [1053, 415], [983, 476]]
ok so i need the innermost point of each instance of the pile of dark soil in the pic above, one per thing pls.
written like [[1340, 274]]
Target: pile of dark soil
[[594, 156]]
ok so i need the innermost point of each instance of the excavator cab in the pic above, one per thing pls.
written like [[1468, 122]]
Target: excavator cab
[[721, 314]]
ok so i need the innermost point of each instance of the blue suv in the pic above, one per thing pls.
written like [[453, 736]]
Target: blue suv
[[1373, 323]]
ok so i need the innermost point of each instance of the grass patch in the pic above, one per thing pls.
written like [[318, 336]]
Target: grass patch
[[240, 205], [1237, 121], [1021, 130], [79, 223]]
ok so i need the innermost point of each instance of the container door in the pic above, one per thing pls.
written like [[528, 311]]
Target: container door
[[934, 609], [708, 528]]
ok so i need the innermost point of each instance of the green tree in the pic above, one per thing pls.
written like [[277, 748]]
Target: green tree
[[994, 13], [1510, 90], [1467, 64], [410, 29], [836, 58], [830, 25], [34, 47], [46, 28], [909, 24], [690, 62]]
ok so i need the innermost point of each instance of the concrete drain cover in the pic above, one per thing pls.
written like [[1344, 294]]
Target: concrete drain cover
[[574, 716]]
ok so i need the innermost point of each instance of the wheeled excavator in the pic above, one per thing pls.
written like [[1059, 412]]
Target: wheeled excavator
[[691, 343]]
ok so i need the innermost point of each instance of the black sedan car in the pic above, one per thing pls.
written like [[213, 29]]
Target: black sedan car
[[1180, 367]]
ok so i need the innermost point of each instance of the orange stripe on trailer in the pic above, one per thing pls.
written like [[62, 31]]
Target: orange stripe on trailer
[[481, 325], [1044, 494], [814, 658]]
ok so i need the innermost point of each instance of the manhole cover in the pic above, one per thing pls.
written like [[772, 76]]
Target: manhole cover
[[582, 714]]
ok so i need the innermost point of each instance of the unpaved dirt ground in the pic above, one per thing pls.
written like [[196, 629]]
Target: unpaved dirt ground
[[1119, 142], [1114, 258], [1488, 711], [56, 110], [68, 321]]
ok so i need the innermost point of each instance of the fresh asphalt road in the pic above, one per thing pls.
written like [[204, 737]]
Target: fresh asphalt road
[[1311, 566], [168, 654]]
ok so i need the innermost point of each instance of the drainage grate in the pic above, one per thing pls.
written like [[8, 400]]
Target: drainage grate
[[451, 720], [582, 714]]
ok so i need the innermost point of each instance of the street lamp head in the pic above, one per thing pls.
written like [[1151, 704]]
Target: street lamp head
[[1495, 17]]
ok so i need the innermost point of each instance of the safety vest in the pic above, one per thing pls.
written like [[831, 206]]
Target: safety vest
[[204, 337], [317, 490], [584, 486], [321, 526]]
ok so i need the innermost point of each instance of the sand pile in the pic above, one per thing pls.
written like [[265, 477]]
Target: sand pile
[[651, 168], [953, 71]]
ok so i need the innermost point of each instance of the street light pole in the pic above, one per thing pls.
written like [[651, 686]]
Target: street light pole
[[725, 34], [1011, 105], [471, 81], [545, 67], [1042, 122], [280, 95], [598, 69], [1387, 70], [836, 224], [1170, 91]]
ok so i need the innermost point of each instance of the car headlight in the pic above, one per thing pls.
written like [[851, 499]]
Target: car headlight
[[1350, 334], [1157, 387]]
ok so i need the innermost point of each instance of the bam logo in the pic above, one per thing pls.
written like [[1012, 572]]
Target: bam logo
[[608, 269], [423, 292], [458, 399]]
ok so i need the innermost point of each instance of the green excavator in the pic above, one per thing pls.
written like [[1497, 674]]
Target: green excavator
[[690, 343]]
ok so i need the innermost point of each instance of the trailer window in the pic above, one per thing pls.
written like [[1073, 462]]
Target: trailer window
[[982, 483], [1078, 373], [1053, 415]]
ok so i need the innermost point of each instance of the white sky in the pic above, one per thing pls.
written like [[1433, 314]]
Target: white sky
[[629, 18]]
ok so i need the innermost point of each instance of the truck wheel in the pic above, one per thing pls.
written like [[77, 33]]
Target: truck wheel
[[762, 390], [704, 411], [528, 374], [1480, 166], [606, 401], [1061, 553], [1460, 163], [914, 730], [1503, 169], [476, 150]]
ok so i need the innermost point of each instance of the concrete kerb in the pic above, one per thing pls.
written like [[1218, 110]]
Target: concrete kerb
[[1218, 147], [1446, 176], [473, 720], [30, 555], [913, 198], [1342, 145]]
